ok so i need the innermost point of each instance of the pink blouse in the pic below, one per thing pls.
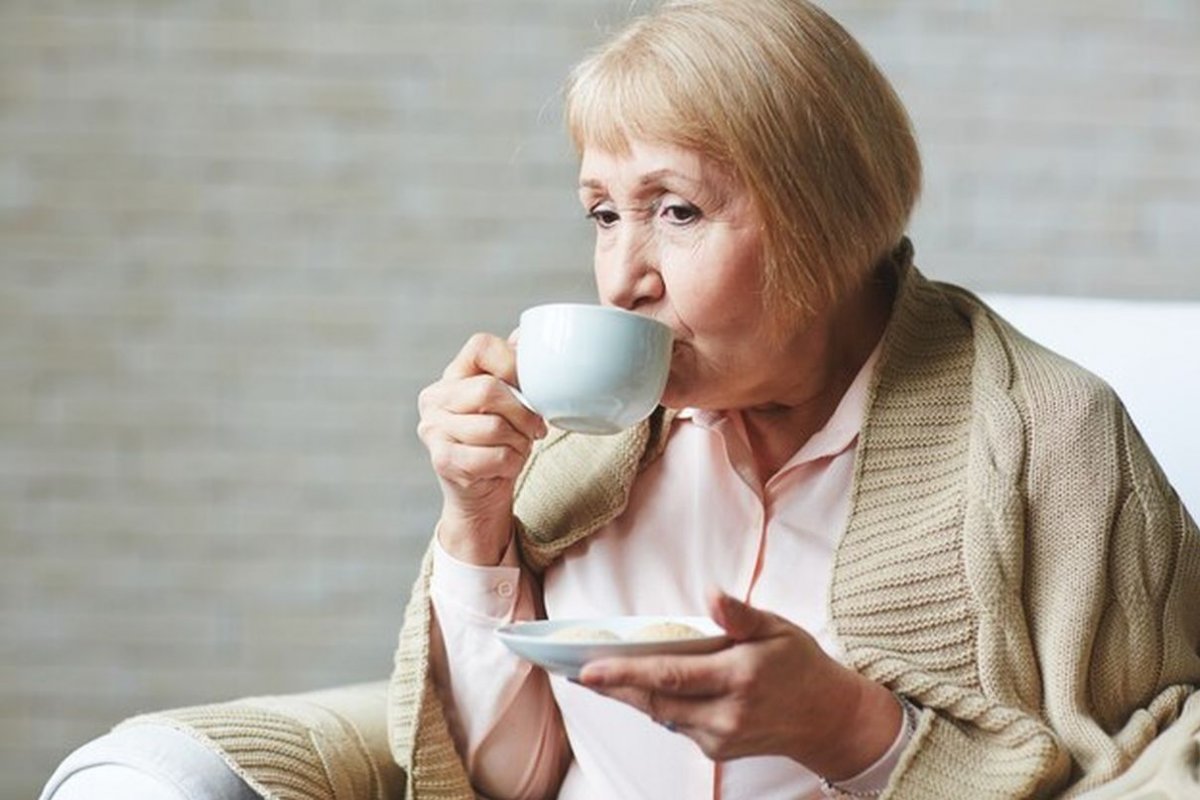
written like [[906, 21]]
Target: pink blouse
[[698, 519]]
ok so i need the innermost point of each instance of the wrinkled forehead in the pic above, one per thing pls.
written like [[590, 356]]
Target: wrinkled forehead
[[647, 167], [644, 160]]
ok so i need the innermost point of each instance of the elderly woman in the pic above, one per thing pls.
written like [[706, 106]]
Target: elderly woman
[[946, 562]]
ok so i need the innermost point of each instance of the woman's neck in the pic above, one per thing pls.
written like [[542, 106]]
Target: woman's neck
[[846, 338]]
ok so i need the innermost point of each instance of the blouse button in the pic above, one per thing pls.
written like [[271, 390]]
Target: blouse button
[[504, 588]]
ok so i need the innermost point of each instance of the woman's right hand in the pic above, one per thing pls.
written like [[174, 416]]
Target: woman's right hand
[[479, 437]]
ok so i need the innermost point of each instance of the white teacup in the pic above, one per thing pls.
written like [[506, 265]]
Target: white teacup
[[592, 369]]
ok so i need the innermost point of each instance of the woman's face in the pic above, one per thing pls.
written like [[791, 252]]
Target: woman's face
[[679, 240]]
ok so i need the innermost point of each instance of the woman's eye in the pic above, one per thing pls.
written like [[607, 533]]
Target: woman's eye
[[603, 217], [680, 213]]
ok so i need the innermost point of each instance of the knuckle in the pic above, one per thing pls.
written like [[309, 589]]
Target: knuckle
[[654, 705], [511, 460], [495, 426], [442, 460], [435, 397], [651, 702], [450, 467], [671, 678], [425, 396], [715, 750], [724, 725], [478, 345], [495, 391], [477, 342], [484, 394], [737, 718], [524, 447], [499, 460], [468, 355], [741, 678]]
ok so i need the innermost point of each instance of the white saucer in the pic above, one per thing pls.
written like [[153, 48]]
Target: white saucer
[[530, 640]]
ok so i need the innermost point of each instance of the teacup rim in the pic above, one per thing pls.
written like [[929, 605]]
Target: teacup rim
[[595, 307]]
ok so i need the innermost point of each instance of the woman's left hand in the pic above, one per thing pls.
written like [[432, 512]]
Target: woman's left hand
[[773, 692]]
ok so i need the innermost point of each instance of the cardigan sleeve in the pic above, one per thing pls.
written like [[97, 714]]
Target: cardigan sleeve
[[1105, 650], [1113, 585]]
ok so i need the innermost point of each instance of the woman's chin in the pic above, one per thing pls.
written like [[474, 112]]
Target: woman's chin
[[676, 396], [687, 385], [684, 389]]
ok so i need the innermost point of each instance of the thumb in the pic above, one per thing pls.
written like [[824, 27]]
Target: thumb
[[741, 621]]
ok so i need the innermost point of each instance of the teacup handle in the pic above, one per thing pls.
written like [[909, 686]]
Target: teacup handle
[[522, 399]]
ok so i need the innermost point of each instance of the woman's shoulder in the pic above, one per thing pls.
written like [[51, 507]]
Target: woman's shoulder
[[950, 333], [1068, 414], [1047, 380]]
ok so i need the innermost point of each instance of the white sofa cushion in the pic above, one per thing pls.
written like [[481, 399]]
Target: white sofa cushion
[[146, 762]]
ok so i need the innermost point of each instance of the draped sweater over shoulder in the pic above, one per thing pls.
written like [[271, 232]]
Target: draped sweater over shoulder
[[1014, 561]]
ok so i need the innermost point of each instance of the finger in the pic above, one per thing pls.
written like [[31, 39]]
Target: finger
[[679, 712], [484, 394], [697, 676], [744, 622], [484, 353], [686, 715], [480, 394], [465, 465], [481, 430]]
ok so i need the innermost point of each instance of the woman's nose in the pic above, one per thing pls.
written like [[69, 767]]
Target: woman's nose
[[627, 274]]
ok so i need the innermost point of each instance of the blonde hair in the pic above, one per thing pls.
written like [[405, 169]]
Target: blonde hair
[[781, 95]]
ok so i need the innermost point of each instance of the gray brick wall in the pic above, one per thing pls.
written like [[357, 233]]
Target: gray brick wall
[[237, 237]]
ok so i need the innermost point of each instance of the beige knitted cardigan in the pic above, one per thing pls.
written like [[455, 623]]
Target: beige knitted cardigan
[[1014, 561]]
